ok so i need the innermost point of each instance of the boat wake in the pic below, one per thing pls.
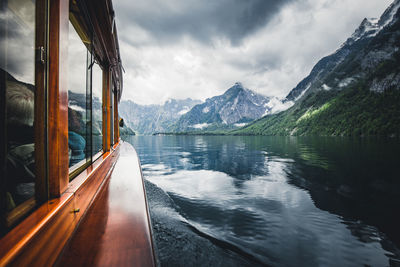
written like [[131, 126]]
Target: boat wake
[[180, 243]]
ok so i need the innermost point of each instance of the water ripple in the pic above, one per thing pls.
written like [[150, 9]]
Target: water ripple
[[278, 201]]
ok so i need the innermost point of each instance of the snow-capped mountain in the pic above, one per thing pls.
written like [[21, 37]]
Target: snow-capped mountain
[[318, 79], [369, 27], [236, 107], [148, 119], [368, 60], [354, 91]]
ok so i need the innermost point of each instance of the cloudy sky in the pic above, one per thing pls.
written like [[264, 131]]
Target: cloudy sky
[[198, 49]]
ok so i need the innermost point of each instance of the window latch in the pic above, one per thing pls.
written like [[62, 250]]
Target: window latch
[[40, 54]]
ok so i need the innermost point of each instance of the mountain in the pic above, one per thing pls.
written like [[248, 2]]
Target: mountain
[[354, 91], [236, 107], [148, 119], [368, 29], [76, 112], [126, 131]]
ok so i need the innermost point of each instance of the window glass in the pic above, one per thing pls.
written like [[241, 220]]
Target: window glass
[[97, 100], [112, 117], [17, 101], [78, 101]]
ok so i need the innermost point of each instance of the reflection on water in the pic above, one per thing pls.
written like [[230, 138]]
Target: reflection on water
[[280, 200]]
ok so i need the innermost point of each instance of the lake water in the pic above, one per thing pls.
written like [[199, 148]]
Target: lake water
[[279, 201]]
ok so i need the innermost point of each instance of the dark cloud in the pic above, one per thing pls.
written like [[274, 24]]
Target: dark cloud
[[199, 48], [202, 20], [18, 43]]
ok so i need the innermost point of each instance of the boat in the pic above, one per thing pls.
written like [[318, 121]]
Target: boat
[[71, 191]]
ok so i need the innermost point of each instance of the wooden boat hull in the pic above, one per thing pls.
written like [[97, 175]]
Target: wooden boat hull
[[116, 229]]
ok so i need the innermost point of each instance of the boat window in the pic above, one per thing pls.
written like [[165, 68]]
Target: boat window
[[79, 117], [97, 114], [17, 104]]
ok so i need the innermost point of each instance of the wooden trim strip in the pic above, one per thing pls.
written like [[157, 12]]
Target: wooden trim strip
[[20, 211], [18, 238], [85, 174], [41, 191], [106, 82], [97, 155], [78, 168], [58, 94], [108, 113], [116, 127]]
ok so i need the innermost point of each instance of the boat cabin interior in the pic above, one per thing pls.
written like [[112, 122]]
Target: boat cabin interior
[[71, 192]]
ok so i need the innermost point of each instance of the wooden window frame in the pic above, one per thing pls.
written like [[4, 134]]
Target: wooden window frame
[[106, 109], [105, 100], [116, 125], [58, 93]]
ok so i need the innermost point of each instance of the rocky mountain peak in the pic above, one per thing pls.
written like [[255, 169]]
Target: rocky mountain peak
[[353, 91], [235, 89], [147, 119], [238, 84], [369, 27], [368, 30], [389, 14], [236, 107]]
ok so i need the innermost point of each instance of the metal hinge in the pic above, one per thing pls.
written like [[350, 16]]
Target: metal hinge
[[40, 55]]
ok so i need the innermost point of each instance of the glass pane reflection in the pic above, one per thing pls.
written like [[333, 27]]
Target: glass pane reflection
[[78, 108], [17, 94], [97, 100]]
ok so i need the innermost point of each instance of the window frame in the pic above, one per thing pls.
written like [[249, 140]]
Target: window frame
[[40, 61], [27, 242], [74, 170], [51, 144], [98, 154], [89, 38]]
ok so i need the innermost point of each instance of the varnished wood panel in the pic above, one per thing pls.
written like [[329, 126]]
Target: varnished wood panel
[[116, 229], [116, 126], [86, 185], [12, 245], [38, 240], [45, 246], [106, 110], [103, 108], [58, 95], [108, 113], [40, 104]]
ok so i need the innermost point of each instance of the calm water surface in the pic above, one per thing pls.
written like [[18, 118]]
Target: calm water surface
[[280, 201]]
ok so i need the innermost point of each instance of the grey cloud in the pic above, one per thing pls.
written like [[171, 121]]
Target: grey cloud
[[268, 45], [19, 43], [257, 63], [202, 20]]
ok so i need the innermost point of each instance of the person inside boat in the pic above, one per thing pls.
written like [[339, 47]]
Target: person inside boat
[[20, 146], [76, 142]]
